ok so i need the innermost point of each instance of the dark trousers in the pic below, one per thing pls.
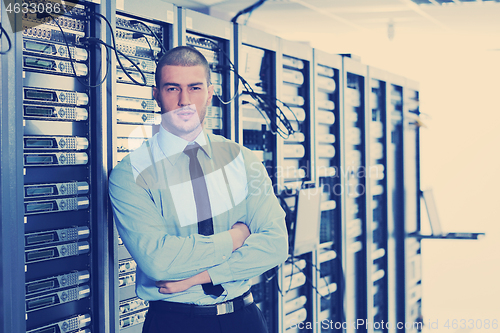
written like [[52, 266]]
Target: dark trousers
[[246, 320]]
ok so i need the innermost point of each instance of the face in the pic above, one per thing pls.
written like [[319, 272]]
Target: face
[[183, 96]]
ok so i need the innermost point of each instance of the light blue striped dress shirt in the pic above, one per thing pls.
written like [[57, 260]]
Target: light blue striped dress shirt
[[155, 214]]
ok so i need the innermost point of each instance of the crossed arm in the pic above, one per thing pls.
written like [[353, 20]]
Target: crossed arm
[[219, 258], [239, 233]]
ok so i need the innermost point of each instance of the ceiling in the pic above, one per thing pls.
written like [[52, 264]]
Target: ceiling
[[306, 20]]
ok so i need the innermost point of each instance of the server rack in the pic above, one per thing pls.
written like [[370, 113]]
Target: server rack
[[379, 286], [328, 97], [255, 54], [60, 157], [411, 159], [214, 39], [296, 167], [394, 193], [356, 191], [12, 286], [143, 34], [404, 201], [396, 254]]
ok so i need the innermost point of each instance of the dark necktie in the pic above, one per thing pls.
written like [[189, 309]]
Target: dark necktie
[[203, 210]]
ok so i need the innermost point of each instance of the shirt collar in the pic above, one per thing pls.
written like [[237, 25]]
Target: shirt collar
[[173, 146]]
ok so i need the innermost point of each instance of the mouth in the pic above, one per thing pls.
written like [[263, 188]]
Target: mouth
[[185, 113]]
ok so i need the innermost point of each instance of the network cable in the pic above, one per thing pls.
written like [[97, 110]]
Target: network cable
[[125, 71], [266, 119], [118, 52], [42, 15], [137, 35], [318, 271], [270, 107], [152, 32], [2, 32]]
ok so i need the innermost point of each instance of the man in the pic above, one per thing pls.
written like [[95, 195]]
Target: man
[[196, 212]]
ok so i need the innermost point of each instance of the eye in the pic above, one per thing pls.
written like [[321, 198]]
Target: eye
[[171, 89], [195, 88]]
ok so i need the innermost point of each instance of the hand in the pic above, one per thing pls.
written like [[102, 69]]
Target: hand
[[239, 233], [171, 287]]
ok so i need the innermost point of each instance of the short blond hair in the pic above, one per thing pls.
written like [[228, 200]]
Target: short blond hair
[[182, 56]]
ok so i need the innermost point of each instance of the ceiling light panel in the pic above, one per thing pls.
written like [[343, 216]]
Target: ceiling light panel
[[209, 2]]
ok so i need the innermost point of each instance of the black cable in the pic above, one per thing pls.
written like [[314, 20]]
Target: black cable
[[125, 71], [292, 262], [268, 122], [42, 15], [118, 52], [289, 108], [289, 219], [324, 279], [307, 281], [262, 106], [137, 35], [2, 32], [218, 49], [290, 226], [151, 48], [248, 10], [291, 274], [289, 285], [152, 32], [230, 100], [269, 107]]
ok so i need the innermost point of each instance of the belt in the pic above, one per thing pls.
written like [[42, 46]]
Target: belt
[[204, 310]]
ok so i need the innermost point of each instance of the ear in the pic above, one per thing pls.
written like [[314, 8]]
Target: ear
[[156, 96], [210, 94]]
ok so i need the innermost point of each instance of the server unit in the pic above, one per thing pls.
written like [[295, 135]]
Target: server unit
[[328, 138], [295, 169], [57, 98], [143, 34], [214, 39], [356, 191]]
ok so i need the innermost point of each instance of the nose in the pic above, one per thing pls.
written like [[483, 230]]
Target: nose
[[184, 98]]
